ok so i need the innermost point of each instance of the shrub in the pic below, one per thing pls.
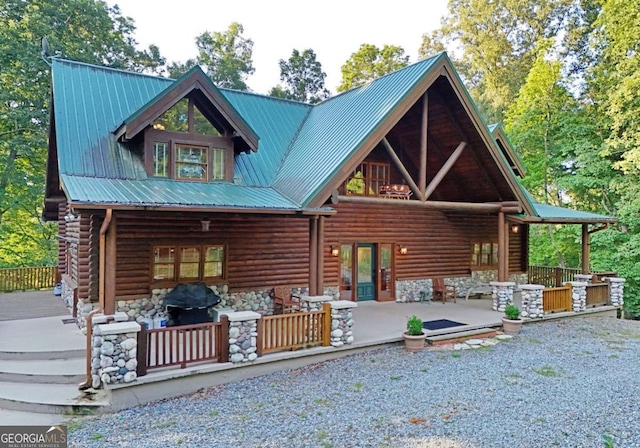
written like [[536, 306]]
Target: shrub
[[414, 326], [512, 312]]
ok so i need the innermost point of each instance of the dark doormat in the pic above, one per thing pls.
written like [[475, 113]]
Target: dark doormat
[[69, 320], [440, 324]]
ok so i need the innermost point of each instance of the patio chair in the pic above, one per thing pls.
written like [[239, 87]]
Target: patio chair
[[443, 291], [283, 301]]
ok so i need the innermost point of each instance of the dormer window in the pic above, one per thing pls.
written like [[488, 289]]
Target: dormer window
[[182, 144]]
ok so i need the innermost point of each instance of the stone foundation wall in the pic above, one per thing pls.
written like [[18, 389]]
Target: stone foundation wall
[[83, 308], [243, 336], [259, 301], [422, 290], [67, 295]]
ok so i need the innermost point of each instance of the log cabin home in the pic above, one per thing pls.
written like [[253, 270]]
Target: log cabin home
[[368, 195]]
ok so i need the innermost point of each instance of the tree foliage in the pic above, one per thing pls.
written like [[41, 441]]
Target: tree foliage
[[371, 62], [226, 57], [302, 78], [84, 30]]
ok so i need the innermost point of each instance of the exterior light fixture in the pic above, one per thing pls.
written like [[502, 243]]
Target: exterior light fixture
[[71, 217], [515, 228], [205, 225], [403, 250], [335, 251]]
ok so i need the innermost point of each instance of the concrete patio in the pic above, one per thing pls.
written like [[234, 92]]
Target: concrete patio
[[44, 354]]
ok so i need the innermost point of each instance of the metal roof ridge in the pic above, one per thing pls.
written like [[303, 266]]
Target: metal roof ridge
[[111, 69]]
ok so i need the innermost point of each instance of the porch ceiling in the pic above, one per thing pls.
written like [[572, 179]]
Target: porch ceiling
[[475, 177]]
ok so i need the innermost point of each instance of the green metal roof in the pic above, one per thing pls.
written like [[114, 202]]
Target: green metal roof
[[560, 215], [171, 193], [337, 127]]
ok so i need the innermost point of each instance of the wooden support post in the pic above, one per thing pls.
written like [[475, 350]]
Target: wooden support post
[[259, 338], [224, 339], [502, 275], [142, 351], [320, 274], [444, 170], [326, 324], [110, 268], [405, 174], [422, 181], [313, 256], [586, 248]]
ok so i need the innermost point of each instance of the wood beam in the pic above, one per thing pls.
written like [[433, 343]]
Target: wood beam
[[444, 170], [320, 276], [439, 205], [502, 274], [422, 181], [110, 268], [313, 256], [405, 174], [586, 248]]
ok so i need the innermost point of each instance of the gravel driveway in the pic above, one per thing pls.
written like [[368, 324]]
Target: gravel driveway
[[565, 383]]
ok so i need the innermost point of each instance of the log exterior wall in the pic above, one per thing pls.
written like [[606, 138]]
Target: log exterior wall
[[262, 251], [266, 250]]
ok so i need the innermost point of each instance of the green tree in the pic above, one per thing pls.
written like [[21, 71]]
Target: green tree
[[497, 42], [84, 30], [371, 62], [302, 78], [226, 57]]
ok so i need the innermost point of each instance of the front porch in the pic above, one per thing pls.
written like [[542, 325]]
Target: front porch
[[377, 324]]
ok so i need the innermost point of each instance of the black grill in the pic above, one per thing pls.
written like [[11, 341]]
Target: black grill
[[189, 304]]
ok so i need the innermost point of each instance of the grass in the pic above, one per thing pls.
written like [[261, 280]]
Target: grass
[[456, 355], [358, 386], [322, 435], [322, 401], [213, 414], [546, 371], [74, 425], [395, 377], [97, 436]]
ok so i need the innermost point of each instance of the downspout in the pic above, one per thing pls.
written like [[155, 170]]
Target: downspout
[[103, 231]]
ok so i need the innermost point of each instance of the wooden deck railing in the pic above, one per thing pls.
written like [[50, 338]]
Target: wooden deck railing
[[182, 345], [597, 294], [293, 331], [557, 299], [23, 279], [551, 277]]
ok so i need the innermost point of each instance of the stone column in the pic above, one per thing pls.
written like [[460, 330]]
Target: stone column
[[313, 303], [113, 350], [532, 301], [616, 290], [243, 336], [502, 294], [587, 278], [578, 295], [342, 322]]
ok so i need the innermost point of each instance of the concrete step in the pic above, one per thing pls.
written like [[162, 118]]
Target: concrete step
[[40, 355], [20, 418], [51, 399], [56, 371], [477, 333]]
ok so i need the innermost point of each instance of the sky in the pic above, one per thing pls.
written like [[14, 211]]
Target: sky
[[332, 29]]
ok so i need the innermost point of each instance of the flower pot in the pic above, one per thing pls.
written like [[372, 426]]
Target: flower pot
[[414, 343], [511, 327]]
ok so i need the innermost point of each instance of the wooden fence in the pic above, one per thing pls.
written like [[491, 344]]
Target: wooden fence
[[23, 279], [182, 345], [555, 300], [551, 277], [187, 344], [294, 331], [597, 294]]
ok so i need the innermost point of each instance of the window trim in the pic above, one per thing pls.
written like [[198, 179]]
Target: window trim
[[493, 253], [365, 167], [177, 261], [175, 139]]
